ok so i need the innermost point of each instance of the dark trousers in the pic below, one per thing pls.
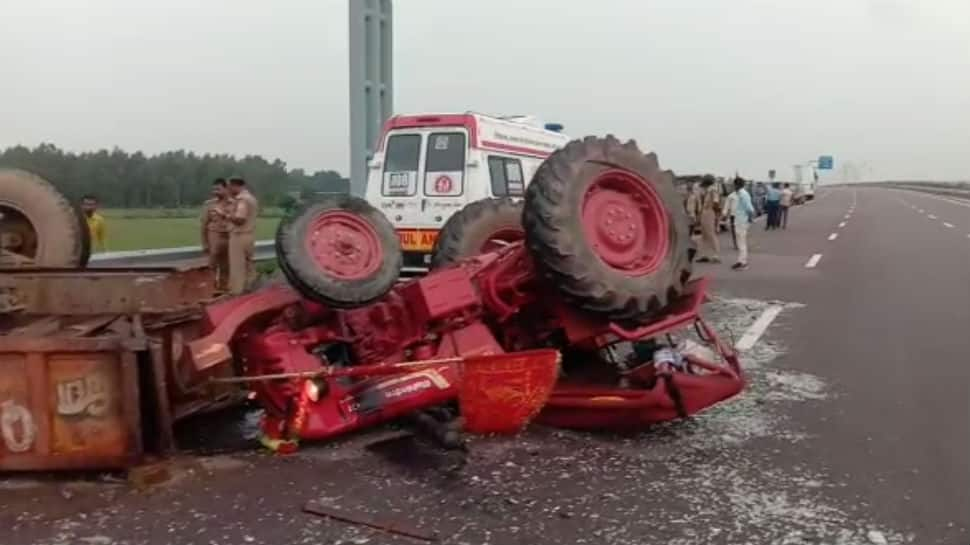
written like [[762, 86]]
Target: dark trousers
[[784, 217], [772, 209]]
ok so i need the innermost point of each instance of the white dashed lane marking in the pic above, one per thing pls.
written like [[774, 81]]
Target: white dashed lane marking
[[754, 332], [841, 225], [813, 261], [948, 225], [833, 236], [932, 217], [921, 211]]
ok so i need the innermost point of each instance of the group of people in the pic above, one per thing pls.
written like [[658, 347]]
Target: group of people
[[707, 207], [778, 200], [228, 232]]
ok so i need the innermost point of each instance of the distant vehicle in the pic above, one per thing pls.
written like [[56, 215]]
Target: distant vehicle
[[803, 184], [429, 166]]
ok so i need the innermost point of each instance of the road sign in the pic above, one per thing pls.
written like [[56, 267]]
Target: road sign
[[825, 162]]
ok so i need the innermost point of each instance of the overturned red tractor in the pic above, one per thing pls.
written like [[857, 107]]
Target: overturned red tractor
[[598, 268]]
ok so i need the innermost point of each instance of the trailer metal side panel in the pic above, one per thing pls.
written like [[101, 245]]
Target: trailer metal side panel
[[68, 403]]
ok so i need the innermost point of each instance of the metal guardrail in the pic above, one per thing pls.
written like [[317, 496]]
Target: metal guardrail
[[265, 251]]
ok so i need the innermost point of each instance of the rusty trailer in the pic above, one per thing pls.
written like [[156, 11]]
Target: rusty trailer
[[68, 403], [92, 373]]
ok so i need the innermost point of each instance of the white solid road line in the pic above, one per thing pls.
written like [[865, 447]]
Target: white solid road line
[[932, 217], [958, 202], [841, 225], [754, 332], [813, 261], [833, 236], [948, 225]]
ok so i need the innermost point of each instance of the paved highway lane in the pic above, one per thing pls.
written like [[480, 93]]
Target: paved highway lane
[[949, 212], [887, 325]]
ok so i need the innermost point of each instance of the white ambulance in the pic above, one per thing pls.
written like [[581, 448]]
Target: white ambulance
[[428, 166]]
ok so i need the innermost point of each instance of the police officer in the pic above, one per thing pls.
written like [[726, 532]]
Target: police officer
[[710, 210], [242, 239], [215, 232]]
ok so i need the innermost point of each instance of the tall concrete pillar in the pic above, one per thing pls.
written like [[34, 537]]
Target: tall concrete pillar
[[371, 82]]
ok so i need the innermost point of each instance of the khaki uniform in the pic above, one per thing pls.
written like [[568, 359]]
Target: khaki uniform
[[215, 233], [693, 206], [242, 242], [710, 209]]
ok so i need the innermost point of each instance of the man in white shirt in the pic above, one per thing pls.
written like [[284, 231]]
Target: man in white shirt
[[786, 199], [743, 216]]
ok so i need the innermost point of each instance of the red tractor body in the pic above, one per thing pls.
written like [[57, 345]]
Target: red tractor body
[[600, 272], [489, 304]]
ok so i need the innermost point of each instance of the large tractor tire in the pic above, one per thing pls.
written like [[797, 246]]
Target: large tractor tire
[[39, 227], [608, 227], [479, 227], [339, 251]]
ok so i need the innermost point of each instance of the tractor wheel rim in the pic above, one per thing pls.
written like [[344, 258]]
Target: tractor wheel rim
[[502, 238], [344, 245], [625, 223], [18, 236]]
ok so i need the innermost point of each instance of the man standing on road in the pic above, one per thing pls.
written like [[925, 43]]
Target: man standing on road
[[215, 232], [693, 206], [89, 205], [772, 205], [728, 211], [743, 216], [759, 198], [242, 240], [786, 199], [710, 207]]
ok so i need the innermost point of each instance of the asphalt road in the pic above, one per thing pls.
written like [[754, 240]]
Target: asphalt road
[[887, 324], [854, 427]]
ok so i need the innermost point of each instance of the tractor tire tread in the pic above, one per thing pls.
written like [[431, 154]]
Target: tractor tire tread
[[554, 233], [311, 281], [466, 231], [62, 231]]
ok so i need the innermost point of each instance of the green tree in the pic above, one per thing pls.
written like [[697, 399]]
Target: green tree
[[171, 179]]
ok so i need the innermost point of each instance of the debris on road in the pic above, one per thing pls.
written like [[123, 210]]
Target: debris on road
[[403, 529]]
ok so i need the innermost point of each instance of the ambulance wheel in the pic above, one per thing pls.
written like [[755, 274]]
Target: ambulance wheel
[[339, 251], [480, 227], [39, 227], [607, 226]]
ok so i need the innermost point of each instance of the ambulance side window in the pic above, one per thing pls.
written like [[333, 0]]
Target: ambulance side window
[[506, 176]]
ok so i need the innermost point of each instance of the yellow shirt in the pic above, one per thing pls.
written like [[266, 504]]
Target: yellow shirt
[[96, 227]]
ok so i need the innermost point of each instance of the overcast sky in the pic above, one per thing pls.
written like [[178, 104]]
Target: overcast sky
[[713, 85]]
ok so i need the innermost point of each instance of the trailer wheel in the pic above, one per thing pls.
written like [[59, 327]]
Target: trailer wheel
[[479, 227], [608, 227], [339, 251], [39, 227]]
